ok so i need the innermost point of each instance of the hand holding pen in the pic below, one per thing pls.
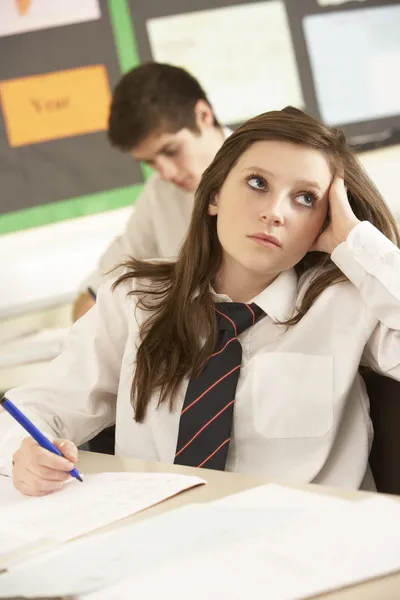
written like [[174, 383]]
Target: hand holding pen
[[41, 466]]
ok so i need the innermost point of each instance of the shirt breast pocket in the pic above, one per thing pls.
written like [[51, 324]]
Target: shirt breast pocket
[[292, 395]]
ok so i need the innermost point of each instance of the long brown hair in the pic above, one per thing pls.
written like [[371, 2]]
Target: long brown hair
[[178, 337]]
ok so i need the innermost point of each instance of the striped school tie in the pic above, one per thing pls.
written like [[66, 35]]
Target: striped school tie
[[207, 413]]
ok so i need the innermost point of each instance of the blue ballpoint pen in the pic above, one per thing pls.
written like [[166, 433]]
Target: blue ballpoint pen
[[41, 439]]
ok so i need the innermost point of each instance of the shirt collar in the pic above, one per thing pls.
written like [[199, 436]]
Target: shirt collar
[[278, 300]]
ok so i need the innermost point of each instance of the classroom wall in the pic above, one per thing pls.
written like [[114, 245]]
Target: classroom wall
[[46, 264]]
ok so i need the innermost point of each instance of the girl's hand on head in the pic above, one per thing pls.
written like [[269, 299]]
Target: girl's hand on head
[[37, 472], [341, 218]]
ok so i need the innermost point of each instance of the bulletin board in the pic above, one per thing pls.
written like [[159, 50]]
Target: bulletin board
[[55, 87], [337, 60]]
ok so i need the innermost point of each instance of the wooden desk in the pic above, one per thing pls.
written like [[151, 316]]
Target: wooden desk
[[223, 484]]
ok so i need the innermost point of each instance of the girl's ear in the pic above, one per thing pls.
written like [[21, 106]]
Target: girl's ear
[[213, 206]]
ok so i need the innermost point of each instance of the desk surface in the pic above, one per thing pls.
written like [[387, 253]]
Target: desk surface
[[12, 328], [222, 484]]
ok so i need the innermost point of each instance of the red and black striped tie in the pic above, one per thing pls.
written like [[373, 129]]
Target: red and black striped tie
[[207, 413]]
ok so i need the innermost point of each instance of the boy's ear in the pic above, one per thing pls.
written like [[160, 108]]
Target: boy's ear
[[204, 114]]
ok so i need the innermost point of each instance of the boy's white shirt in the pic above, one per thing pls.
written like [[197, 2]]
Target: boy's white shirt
[[301, 409]]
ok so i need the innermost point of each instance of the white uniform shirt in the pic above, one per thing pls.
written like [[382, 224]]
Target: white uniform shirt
[[156, 228], [301, 410]]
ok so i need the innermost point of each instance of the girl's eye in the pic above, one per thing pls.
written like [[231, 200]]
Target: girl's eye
[[306, 199], [257, 182]]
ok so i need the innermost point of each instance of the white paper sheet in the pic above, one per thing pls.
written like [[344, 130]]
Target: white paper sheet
[[8, 494], [18, 16], [82, 507], [100, 560], [277, 496], [17, 546], [316, 554], [248, 70], [12, 541], [356, 79]]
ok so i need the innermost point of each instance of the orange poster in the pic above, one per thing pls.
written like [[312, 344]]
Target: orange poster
[[55, 105]]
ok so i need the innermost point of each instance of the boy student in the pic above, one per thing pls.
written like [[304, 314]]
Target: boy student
[[160, 115]]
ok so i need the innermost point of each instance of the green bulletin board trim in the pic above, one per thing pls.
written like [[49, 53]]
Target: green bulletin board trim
[[69, 209], [124, 36], [125, 44]]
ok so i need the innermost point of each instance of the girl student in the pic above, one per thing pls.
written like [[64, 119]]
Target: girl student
[[243, 353]]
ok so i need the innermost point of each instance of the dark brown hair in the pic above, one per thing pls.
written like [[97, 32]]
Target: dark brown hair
[[150, 98], [178, 337]]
